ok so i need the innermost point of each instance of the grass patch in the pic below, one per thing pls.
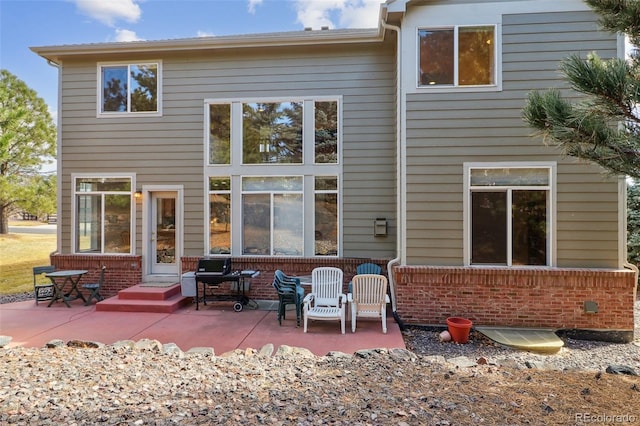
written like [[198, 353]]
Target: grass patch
[[19, 253]]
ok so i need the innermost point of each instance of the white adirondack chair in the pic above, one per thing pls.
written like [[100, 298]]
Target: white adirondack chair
[[368, 298], [326, 300]]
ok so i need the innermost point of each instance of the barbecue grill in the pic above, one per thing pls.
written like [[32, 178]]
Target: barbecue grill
[[213, 272]]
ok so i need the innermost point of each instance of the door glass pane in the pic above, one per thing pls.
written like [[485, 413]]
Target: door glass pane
[[529, 211], [89, 226], [144, 87], [326, 132], [489, 227], [475, 56], [117, 211], [165, 230], [256, 224], [436, 57], [114, 89], [287, 225], [272, 133]]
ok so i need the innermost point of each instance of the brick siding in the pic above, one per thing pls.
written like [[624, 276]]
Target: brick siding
[[428, 295], [548, 298]]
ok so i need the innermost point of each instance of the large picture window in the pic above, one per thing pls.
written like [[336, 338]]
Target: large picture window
[[129, 88], [102, 214], [273, 169], [457, 56], [509, 217]]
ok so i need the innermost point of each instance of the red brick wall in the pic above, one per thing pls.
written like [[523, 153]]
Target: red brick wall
[[427, 295], [261, 288], [548, 298], [122, 271], [126, 271]]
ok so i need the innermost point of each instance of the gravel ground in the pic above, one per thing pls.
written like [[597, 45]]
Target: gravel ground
[[432, 383]]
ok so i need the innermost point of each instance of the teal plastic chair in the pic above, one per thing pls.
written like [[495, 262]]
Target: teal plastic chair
[[366, 268], [290, 292]]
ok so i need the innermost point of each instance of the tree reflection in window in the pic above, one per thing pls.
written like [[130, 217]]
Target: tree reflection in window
[[272, 133], [130, 88]]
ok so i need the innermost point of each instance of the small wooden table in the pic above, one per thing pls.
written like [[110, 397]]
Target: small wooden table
[[60, 280]]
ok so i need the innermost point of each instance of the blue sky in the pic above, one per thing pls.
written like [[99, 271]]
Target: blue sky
[[26, 23]]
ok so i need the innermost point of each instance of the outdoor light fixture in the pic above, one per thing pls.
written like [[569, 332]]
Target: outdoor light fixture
[[138, 194]]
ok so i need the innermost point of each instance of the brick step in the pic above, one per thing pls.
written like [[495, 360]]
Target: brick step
[[145, 299], [149, 293]]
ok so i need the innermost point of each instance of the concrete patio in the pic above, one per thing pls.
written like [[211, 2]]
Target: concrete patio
[[215, 325]]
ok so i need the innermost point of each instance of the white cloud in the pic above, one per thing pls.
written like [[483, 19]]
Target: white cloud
[[126, 35], [204, 34], [252, 6], [110, 11], [346, 13]]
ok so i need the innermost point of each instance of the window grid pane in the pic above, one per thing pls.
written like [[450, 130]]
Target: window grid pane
[[220, 134], [272, 133], [436, 57], [489, 228], [144, 87], [256, 224], [89, 224], [220, 215], [115, 89], [514, 176], [287, 225], [529, 227], [326, 132], [326, 224], [476, 56]]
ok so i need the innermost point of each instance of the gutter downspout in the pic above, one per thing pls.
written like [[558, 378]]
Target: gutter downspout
[[399, 173], [59, 214]]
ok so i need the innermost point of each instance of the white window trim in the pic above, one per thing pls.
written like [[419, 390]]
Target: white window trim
[[455, 87], [236, 171], [100, 114], [551, 208], [74, 212]]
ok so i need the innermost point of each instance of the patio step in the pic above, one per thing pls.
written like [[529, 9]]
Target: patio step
[[145, 299]]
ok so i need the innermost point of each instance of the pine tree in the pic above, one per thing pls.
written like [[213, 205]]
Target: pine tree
[[605, 127]]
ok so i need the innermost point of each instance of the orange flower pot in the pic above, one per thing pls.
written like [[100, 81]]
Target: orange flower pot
[[459, 329]]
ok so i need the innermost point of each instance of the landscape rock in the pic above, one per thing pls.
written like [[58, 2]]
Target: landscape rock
[[4, 341]]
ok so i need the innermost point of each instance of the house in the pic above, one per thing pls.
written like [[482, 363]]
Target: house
[[402, 145]]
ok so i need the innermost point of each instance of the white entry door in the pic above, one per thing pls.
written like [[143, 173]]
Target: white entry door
[[165, 233]]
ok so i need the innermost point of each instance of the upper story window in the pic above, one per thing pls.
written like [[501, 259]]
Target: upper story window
[[274, 132], [460, 56], [129, 88]]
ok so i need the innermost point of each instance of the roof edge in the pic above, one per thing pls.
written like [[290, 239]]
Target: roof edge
[[292, 38]]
